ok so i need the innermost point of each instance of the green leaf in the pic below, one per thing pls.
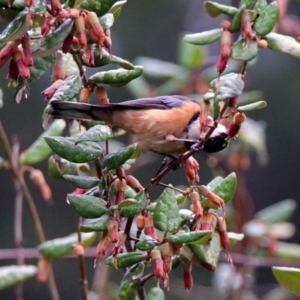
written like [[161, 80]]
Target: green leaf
[[204, 37], [236, 22], [99, 225], [185, 214], [129, 192], [207, 255], [131, 281], [190, 56], [106, 21], [88, 206], [82, 182], [116, 78], [132, 210], [65, 245], [92, 5], [260, 6], [116, 9], [66, 148], [213, 183], [180, 198], [40, 150], [156, 68], [193, 237], [116, 159], [228, 86], [252, 106], [52, 42], [166, 212], [214, 9], [147, 243], [98, 133], [289, 278], [283, 43], [69, 89], [40, 66], [104, 58], [278, 212], [225, 190], [242, 51], [16, 29], [11, 275], [125, 260], [156, 293], [267, 19], [249, 4], [235, 237], [250, 97], [289, 251]]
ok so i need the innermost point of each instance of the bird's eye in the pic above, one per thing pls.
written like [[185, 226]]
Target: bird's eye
[[216, 143]]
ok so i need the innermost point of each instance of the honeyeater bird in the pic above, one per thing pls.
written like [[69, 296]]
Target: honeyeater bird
[[169, 125]]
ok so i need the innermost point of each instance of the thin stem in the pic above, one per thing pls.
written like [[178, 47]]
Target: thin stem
[[81, 70], [172, 188], [27, 195], [83, 277]]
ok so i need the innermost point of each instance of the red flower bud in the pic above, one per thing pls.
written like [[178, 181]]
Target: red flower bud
[[157, 264], [149, 228], [140, 222], [79, 249], [13, 71], [167, 253], [197, 207], [46, 26], [43, 269], [208, 221], [38, 179], [112, 228], [203, 190], [235, 126], [246, 25], [49, 92], [96, 31], [191, 169], [101, 95], [58, 71], [102, 246], [88, 55], [187, 275], [134, 183], [26, 45], [7, 51], [85, 95]]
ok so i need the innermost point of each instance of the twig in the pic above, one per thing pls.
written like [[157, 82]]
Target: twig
[[83, 277], [27, 195], [81, 70]]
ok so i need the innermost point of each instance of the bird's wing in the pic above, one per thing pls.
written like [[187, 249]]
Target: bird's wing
[[162, 102]]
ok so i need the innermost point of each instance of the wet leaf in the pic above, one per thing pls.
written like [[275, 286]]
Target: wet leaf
[[116, 78], [228, 86], [260, 6], [88, 206], [204, 37], [289, 278], [40, 150], [64, 246], [99, 225], [193, 237], [107, 21], [156, 293], [131, 281], [147, 243], [133, 210], [53, 41], [125, 260], [235, 237], [98, 133], [82, 182], [267, 19], [166, 213], [249, 4], [116, 9], [214, 9], [16, 28], [242, 51], [116, 159], [100, 8], [69, 89], [106, 58], [252, 106], [278, 212], [66, 148], [207, 255], [283, 43], [11, 275]]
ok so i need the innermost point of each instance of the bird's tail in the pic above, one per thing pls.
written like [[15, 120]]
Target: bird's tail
[[74, 110]]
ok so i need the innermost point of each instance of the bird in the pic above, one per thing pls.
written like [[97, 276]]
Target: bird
[[169, 125]]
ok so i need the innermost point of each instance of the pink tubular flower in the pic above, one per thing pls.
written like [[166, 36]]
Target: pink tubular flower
[[26, 45], [88, 55], [191, 169], [157, 264]]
